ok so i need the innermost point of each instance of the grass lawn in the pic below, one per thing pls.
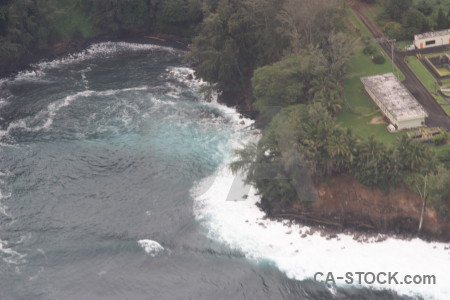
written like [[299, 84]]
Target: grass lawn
[[359, 109], [401, 45], [427, 80]]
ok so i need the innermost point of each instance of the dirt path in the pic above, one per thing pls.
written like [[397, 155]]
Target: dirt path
[[437, 116]]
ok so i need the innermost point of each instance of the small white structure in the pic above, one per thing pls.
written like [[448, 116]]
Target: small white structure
[[432, 39], [395, 101]]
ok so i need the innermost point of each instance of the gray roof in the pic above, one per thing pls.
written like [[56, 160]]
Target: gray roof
[[400, 103], [431, 34]]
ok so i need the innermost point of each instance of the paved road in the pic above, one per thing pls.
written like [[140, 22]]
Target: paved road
[[437, 116]]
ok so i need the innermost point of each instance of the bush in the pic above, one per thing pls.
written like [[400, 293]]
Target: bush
[[378, 59], [440, 140], [369, 50]]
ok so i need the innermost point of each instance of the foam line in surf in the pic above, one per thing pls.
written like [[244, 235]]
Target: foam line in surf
[[105, 49], [52, 109]]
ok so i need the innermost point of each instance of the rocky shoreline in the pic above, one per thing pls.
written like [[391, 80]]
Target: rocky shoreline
[[341, 207]]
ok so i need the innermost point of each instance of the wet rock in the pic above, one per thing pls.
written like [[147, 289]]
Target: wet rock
[[242, 122], [331, 236], [304, 235], [245, 197]]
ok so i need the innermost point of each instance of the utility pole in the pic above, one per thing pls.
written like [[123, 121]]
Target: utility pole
[[392, 42]]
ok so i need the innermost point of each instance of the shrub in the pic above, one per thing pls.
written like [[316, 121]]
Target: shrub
[[378, 59], [369, 50], [441, 139]]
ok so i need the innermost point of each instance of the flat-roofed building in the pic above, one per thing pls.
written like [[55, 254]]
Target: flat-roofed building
[[432, 39], [395, 101]]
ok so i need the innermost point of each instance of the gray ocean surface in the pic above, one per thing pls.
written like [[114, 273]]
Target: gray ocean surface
[[99, 153]]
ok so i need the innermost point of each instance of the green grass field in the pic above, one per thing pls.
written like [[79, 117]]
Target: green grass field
[[359, 109], [400, 45], [427, 80]]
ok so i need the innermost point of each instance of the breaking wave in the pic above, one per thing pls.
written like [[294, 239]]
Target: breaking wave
[[151, 247]]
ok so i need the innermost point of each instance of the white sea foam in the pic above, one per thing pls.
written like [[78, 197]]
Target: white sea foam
[[151, 247], [10, 256], [3, 207], [242, 226], [106, 49], [29, 75], [52, 109], [98, 50]]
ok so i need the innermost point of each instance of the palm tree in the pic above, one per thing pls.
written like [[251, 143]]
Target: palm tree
[[412, 155]]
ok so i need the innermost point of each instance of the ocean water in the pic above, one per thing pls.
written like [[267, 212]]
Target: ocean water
[[114, 185]]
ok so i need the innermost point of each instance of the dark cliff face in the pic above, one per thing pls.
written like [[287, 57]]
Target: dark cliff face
[[344, 203]]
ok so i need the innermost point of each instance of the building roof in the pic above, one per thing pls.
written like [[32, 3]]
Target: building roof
[[431, 34], [397, 100]]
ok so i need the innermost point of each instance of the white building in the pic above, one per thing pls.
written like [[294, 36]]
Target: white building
[[395, 101], [432, 39]]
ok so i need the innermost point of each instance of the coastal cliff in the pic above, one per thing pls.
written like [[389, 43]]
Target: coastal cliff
[[343, 203]]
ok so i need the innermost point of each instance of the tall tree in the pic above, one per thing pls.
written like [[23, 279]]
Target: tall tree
[[309, 22], [414, 22], [413, 156], [374, 164], [230, 44], [396, 8], [441, 20], [287, 81]]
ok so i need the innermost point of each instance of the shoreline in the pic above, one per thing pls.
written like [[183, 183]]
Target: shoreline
[[290, 213], [12, 66]]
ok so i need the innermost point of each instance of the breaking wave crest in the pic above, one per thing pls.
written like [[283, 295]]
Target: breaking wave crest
[[151, 247]]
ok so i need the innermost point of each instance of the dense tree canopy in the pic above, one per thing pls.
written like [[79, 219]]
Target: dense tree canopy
[[27, 25], [234, 39]]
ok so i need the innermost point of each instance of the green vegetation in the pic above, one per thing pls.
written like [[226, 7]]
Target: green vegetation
[[378, 59], [26, 26], [359, 110], [427, 80], [414, 16], [310, 136]]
